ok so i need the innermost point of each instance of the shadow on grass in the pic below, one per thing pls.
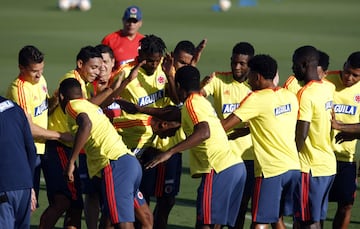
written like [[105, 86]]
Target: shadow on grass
[[185, 170], [351, 221], [185, 202], [36, 227], [171, 226]]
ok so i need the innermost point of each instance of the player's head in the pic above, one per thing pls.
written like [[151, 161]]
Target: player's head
[[152, 49], [132, 20], [31, 64], [187, 79], [304, 58], [351, 71], [167, 122], [69, 89], [242, 52], [108, 62], [183, 54], [88, 63], [323, 64], [263, 68]]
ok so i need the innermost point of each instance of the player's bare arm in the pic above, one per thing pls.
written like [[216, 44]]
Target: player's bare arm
[[41, 134], [239, 132], [199, 50], [205, 81], [230, 121], [169, 70], [302, 130], [82, 134], [345, 127], [200, 134]]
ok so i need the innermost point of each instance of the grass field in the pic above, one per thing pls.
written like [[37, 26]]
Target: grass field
[[275, 27]]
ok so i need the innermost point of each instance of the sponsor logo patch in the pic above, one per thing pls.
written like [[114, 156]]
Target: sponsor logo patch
[[41, 108], [152, 98], [282, 109], [345, 109], [229, 108]]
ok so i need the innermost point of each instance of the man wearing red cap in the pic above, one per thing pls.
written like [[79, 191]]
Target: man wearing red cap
[[125, 42]]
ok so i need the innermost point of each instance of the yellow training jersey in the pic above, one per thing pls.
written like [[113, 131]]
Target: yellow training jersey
[[144, 90], [57, 119], [227, 94], [33, 99], [315, 100], [136, 133], [272, 114], [346, 107], [213, 153], [293, 85], [104, 143]]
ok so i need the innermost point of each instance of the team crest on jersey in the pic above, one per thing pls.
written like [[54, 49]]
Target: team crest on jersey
[[41, 108], [44, 88], [114, 106], [357, 98], [152, 98], [282, 109], [161, 79], [229, 108], [345, 109], [226, 92], [328, 105]]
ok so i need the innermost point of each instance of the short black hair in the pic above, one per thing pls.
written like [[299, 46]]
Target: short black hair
[[186, 46], [265, 65], [244, 48], [151, 44], [306, 53], [188, 77], [69, 87], [105, 49], [29, 54], [169, 114], [354, 60], [323, 60], [87, 53]]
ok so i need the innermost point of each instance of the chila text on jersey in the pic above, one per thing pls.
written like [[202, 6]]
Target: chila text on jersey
[[41, 108], [345, 109], [328, 105], [282, 109], [229, 108], [152, 98]]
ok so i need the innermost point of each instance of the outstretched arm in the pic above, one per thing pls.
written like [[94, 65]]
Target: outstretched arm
[[132, 108], [41, 134], [230, 121], [199, 49], [200, 134], [108, 96], [343, 127]]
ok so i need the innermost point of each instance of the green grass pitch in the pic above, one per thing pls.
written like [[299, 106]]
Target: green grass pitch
[[275, 27]]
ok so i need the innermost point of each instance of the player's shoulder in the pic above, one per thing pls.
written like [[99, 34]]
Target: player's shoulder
[[110, 36], [224, 74], [289, 81]]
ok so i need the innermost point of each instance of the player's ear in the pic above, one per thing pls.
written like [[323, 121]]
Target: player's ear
[[258, 76], [79, 63], [21, 68]]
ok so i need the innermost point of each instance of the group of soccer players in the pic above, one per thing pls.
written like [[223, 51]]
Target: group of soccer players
[[118, 122]]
